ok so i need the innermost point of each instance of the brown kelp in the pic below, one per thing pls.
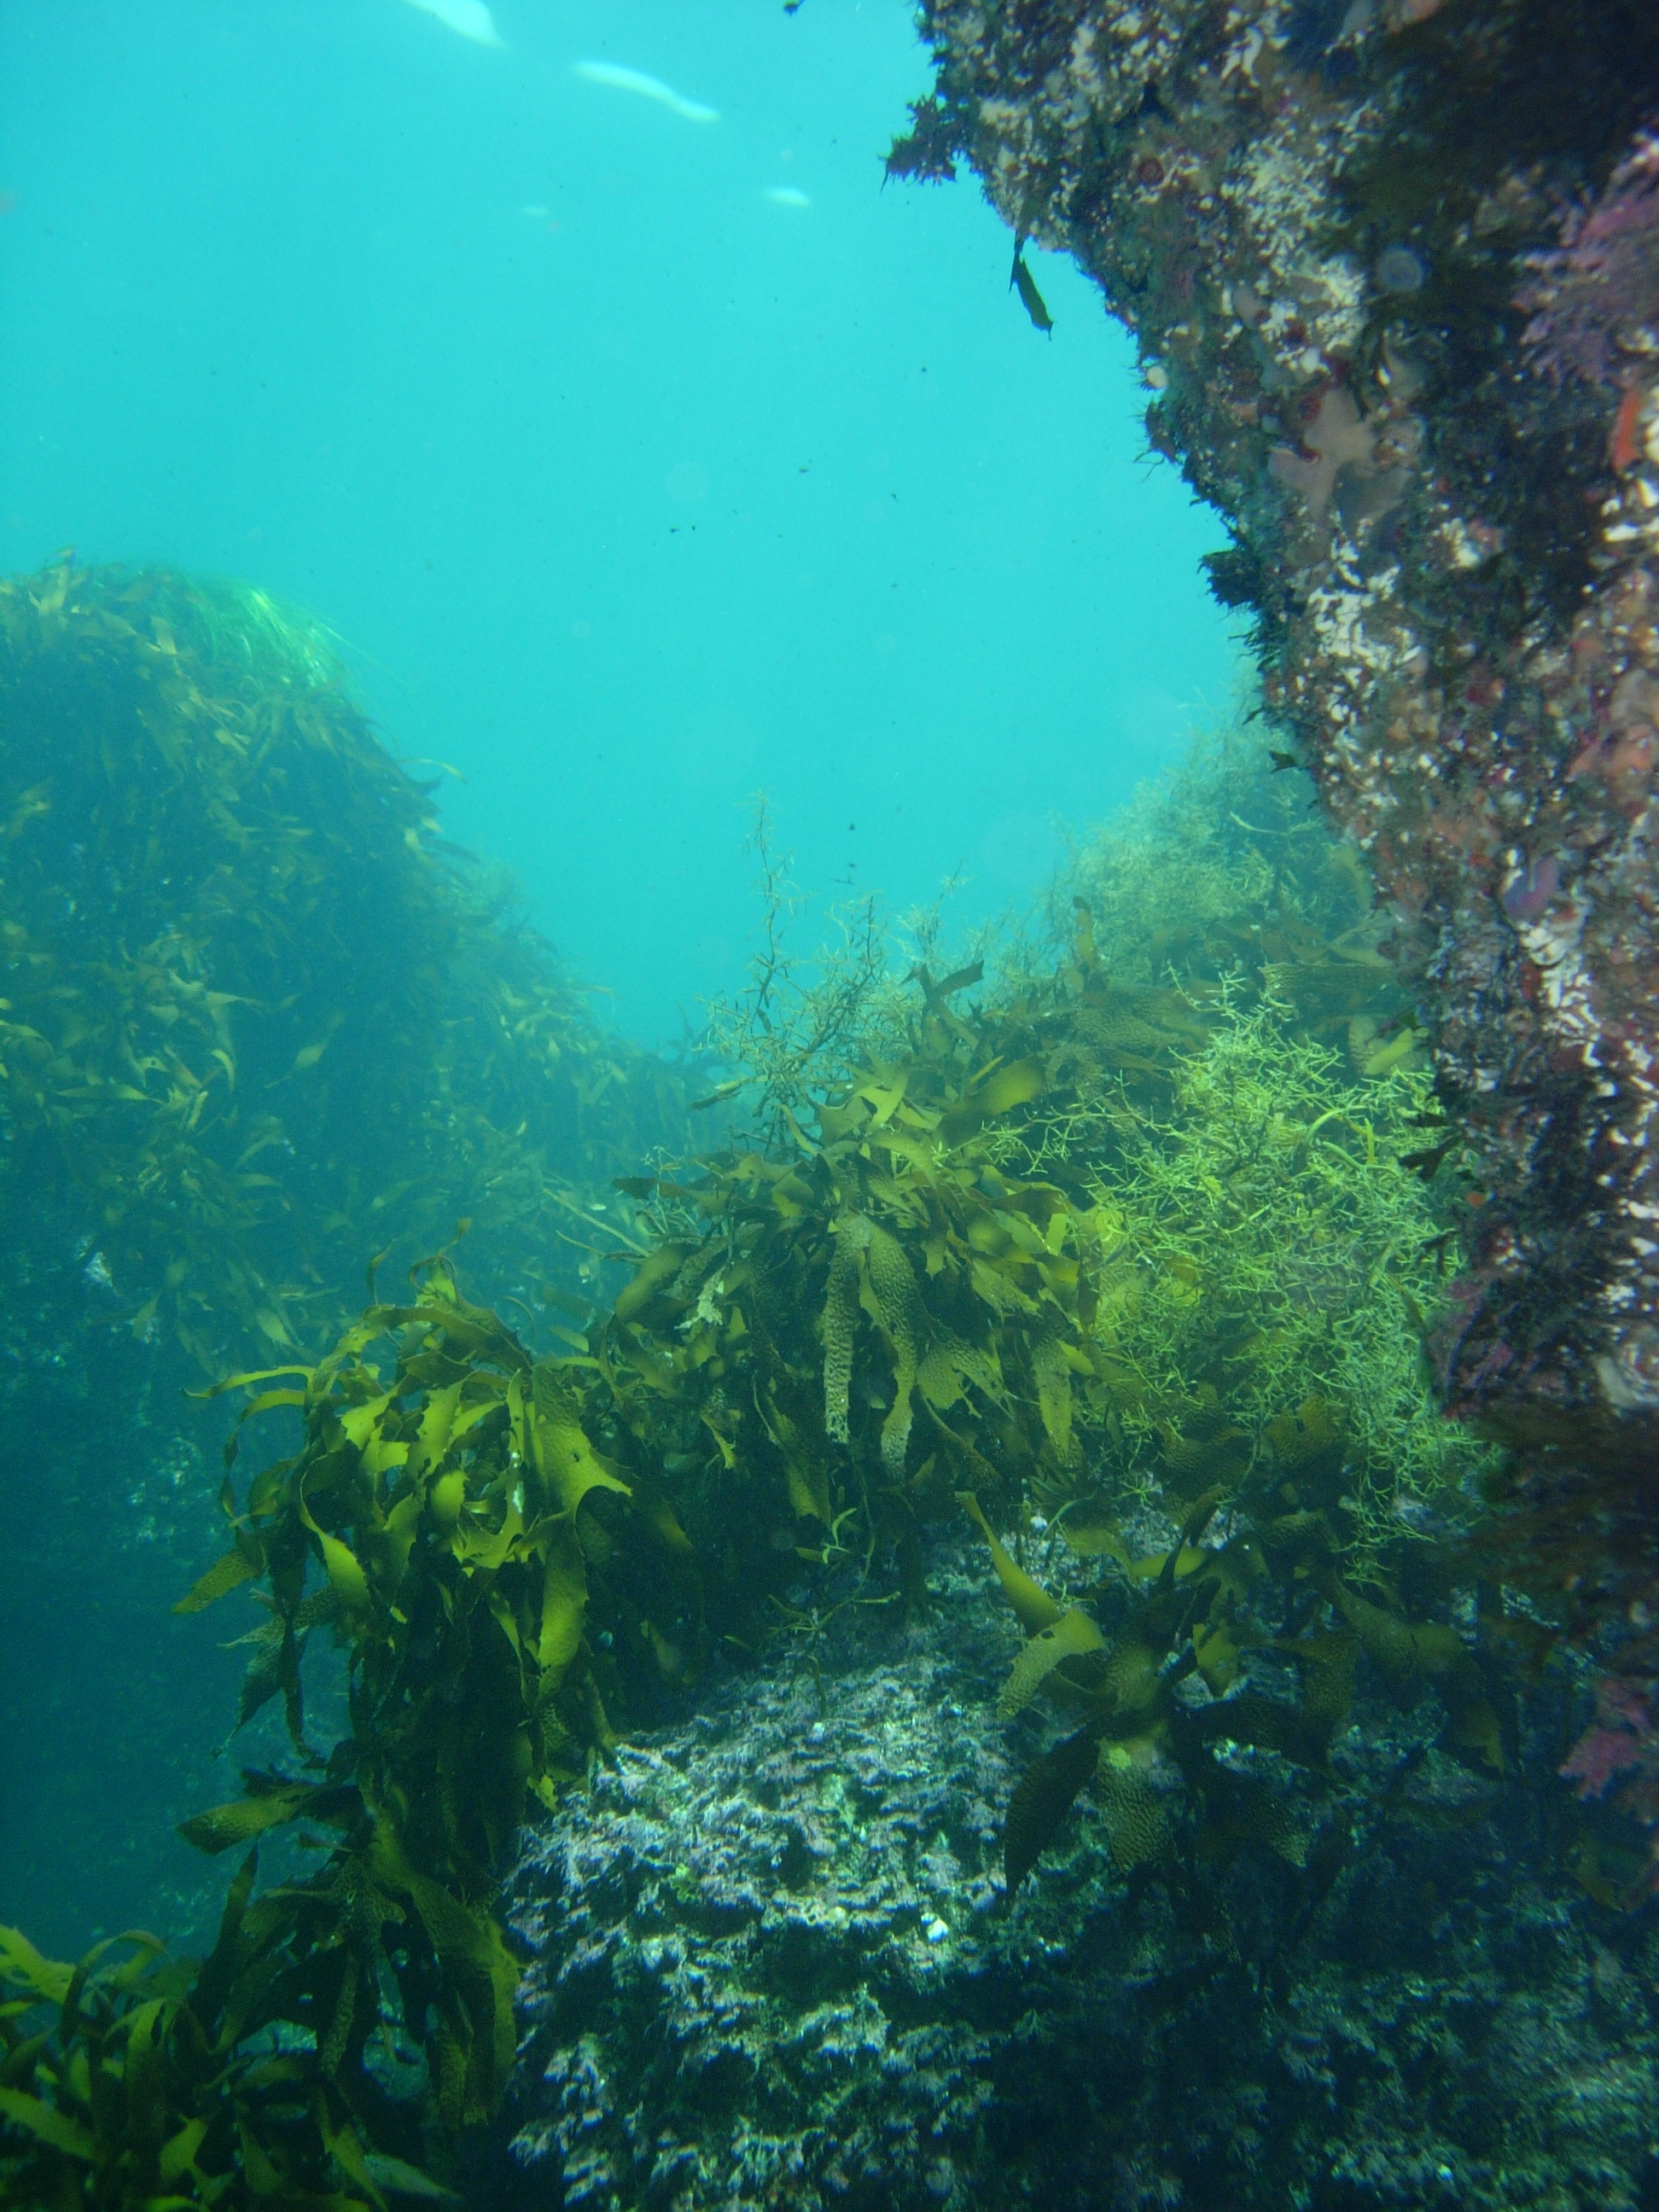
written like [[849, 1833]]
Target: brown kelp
[[132, 2079], [1242, 1639], [448, 1499], [437, 1522]]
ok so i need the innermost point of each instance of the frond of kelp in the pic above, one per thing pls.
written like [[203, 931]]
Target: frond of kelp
[[1157, 1756], [448, 1520], [440, 1520], [873, 1324], [132, 2079]]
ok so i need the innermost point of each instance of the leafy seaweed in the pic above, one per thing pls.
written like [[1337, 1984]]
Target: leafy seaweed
[[438, 1521], [441, 1520], [1131, 1243], [134, 2079], [1167, 1764]]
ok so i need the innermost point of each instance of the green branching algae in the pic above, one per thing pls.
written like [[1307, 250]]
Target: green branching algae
[[1270, 1242]]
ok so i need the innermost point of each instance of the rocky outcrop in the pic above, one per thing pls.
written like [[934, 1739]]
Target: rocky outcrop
[[771, 1964], [1394, 268]]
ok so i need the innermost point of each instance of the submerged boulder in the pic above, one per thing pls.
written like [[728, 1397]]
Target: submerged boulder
[[771, 1962]]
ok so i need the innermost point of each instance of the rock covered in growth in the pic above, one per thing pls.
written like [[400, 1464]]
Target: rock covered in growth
[[770, 1965], [1394, 273]]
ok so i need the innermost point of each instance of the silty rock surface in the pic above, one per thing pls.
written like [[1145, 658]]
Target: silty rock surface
[[769, 1964], [1394, 268]]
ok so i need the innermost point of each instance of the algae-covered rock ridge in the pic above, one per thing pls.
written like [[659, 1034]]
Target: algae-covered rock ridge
[[260, 1022]]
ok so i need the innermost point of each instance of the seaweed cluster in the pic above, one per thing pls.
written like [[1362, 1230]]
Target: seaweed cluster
[[1231, 1667], [432, 1521], [1117, 1257], [132, 2078], [1133, 1261], [1038, 1242], [1223, 867], [1141, 1248], [258, 1019]]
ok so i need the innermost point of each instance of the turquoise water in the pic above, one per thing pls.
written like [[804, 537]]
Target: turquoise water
[[641, 462], [642, 459], [1022, 1689]]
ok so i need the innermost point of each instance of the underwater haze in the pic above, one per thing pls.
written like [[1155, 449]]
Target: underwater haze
[[795, 1405], [643, 451]]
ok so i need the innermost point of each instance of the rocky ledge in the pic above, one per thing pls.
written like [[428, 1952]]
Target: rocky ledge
[[771, 1963]]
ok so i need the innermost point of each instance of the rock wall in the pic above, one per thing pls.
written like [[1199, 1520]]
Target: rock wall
[[1394, 270]]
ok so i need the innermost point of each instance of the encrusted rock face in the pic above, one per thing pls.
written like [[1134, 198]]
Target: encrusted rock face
[[1394, 268], [751, 1944], [771, 1966]]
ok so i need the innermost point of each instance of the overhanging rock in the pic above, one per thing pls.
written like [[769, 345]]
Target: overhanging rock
[[1394, 270]]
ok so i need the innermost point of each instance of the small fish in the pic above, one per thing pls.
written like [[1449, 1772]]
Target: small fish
[[401, 2180], [714, 1098], [1030, 298], [785, 196], [1282, 761], [469, 19], [648, 87]]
